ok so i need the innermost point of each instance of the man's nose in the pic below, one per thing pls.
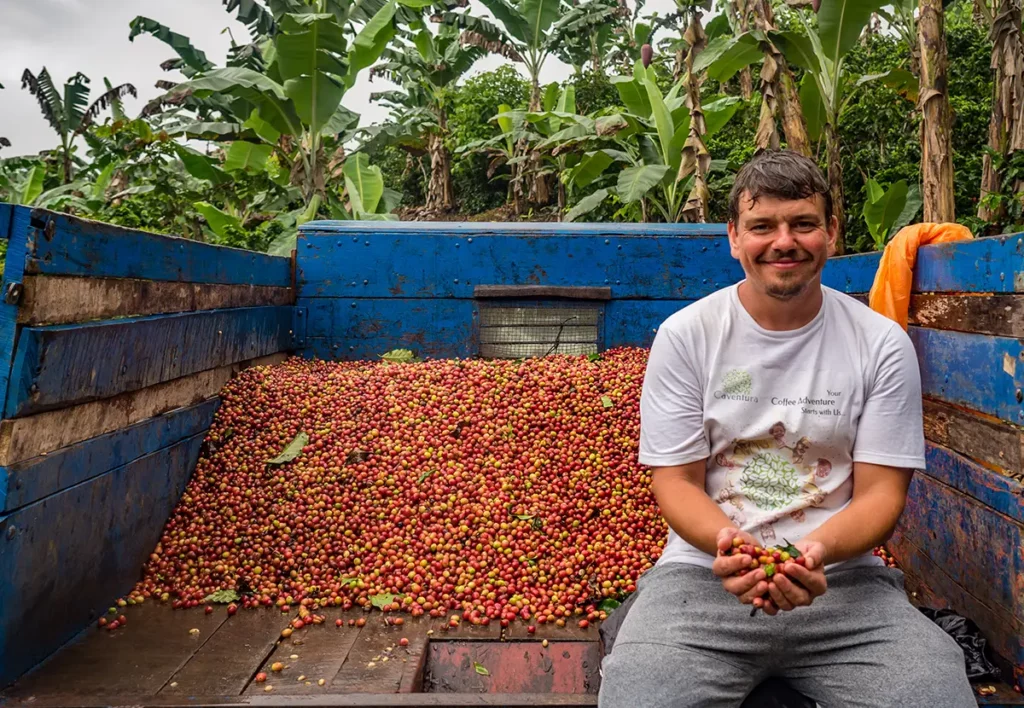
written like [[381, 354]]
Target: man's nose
[[784, 239]]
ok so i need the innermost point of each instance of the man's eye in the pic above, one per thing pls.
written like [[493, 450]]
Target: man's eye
[[760, 228], [806, 225]]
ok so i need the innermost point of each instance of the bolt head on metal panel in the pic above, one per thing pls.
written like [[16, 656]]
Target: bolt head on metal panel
[[13, 293]]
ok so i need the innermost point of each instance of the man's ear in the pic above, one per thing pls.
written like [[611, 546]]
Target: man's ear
[[734, 247], [833, 235]]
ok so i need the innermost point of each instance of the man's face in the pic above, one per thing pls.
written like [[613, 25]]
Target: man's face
[[782, 244]]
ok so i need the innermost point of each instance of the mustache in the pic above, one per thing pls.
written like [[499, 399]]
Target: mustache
[[777, 256]]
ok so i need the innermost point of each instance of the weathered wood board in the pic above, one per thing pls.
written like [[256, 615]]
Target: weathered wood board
[[56, 367], [988, 441], [24, 438], [88, 248], [59, 299], [227, 661], [933, 583], [978, 371], [979, 548], [36, 478], [995, 491], [999, 315], [136, 660], [74, 552]]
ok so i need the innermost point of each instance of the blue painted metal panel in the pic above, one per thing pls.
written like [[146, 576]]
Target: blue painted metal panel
[[28, 482], [411, 264], [68, 364], [976, 546], [72, 552], [364, 329], [851, 274], [6, 217], [973, 370], [21, 232], [996, 491], [474, 228], [985, 265], [88, 248], [633, 323]]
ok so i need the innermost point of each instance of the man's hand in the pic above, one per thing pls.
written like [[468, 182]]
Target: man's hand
[[746, 587], [810, 579]]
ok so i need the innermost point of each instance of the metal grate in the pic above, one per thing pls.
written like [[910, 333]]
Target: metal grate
[[515, 332]]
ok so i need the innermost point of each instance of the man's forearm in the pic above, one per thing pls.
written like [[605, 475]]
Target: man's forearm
[[868, 521], [690, 512]]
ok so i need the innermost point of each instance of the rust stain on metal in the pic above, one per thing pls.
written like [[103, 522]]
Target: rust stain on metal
[[400, 281]]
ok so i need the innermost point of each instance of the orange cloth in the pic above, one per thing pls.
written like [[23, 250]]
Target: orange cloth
[[890, 294]]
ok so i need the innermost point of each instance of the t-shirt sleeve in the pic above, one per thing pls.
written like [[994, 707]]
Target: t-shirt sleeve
[[671, 406], [891, 426]]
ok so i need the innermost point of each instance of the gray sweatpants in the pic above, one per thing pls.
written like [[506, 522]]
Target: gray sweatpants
[[686, 642]]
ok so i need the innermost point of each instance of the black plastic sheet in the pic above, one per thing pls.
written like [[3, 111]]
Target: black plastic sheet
[[970, 639]]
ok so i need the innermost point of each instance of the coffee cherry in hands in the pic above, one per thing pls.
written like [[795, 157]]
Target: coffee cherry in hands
[[770, 559]]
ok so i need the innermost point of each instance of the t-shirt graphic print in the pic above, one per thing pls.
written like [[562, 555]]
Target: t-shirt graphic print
[[779, 417]]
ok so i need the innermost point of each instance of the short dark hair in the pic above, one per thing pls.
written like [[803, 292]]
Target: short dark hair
[[782, 174]]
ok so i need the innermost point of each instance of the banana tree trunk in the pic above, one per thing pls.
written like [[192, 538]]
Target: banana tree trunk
[[440, 193], [539, 193], [778, 92], [739, 11], [696, 160], [936, 126], [1006, 126], [835, 183]]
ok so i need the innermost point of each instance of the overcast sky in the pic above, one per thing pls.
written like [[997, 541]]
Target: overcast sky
[[91, 36]]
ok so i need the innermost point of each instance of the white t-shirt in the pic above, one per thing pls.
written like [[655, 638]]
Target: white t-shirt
[[780, 416]]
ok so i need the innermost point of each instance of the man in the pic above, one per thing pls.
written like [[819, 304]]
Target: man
[[780, 410]]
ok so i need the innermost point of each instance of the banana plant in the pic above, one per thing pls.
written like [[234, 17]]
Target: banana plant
[[71, 114], [293, 106], [502, 151], [828, 86], [428, 66], [887, 210], [549, 130], [586, 33], [645, 144]]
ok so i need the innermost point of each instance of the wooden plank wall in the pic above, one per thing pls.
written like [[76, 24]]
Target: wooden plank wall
[[114, 345], [960, 540]]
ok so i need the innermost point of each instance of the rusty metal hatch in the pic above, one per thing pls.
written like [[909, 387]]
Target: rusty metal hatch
[[512, 327]]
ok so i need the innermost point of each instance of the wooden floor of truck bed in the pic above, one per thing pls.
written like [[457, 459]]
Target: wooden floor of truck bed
[[158, 659]]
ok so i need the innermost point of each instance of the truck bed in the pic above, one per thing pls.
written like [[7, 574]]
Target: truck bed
[[156, 659]]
